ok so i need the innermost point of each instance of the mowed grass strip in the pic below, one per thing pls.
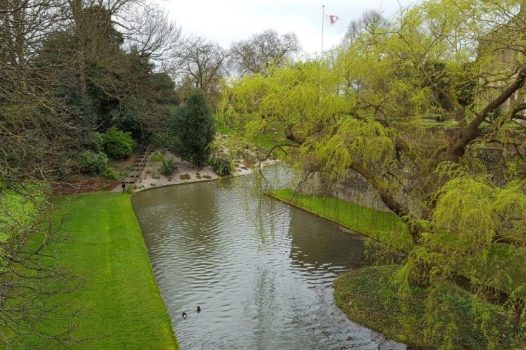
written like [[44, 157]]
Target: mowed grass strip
[[119, 301], [386, 228]]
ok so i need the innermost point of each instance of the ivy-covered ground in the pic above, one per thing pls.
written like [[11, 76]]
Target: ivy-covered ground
[[370, 296]]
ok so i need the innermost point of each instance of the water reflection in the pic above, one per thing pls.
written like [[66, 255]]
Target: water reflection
[[261, 270], [319, 244]]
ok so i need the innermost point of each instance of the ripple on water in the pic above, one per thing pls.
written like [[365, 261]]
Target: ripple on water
[[261, 271]]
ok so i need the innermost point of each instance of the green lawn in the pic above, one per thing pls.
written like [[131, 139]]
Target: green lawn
[[119, 302], [386, 228]]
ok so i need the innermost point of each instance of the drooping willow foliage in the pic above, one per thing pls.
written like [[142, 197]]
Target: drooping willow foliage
[[429, 108]]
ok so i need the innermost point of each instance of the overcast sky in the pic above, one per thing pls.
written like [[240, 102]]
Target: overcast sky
[[225, 21]]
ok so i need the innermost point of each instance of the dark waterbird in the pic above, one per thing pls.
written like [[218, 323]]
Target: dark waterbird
[[184, 315]]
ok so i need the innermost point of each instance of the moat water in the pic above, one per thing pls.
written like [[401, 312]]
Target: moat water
[[261, 270]]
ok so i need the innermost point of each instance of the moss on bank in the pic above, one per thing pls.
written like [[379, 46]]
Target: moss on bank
[[119, 302], [18, 209], [370, 297]]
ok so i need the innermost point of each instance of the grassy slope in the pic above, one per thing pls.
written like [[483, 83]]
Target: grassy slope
[[121, 307], [384, 227], [503, 269]]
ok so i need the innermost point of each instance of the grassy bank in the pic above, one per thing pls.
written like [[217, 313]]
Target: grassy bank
[[119, 304], [503, 268], [369, 297], [386, 228]]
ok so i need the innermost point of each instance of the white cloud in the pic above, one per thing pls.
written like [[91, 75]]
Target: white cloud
[[230, 20]]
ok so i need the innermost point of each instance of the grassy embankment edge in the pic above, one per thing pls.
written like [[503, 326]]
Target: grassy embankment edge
[[383, 227], [119, 301]]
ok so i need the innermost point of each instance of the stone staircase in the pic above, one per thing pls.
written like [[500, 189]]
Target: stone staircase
[[138, 166]]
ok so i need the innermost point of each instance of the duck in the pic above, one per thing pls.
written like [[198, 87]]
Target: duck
[[198, 309], [184, 315]]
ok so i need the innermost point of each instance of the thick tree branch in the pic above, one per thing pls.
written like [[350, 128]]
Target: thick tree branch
[[388, 198], [472, 131]]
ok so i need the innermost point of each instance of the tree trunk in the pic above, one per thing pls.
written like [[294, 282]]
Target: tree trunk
[[388, 198]]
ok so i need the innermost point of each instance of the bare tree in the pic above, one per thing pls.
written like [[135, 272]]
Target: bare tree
[[34, 134], [262, 51], [201, 64], [371, 22], [149, 32], [30, 117], [47, 48]]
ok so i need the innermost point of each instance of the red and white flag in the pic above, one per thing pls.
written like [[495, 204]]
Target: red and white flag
[[333, 19]]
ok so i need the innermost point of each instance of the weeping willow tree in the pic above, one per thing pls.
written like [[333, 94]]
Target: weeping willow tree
[[428, 107]]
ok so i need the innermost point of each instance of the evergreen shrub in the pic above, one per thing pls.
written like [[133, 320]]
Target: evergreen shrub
[[118, 144]]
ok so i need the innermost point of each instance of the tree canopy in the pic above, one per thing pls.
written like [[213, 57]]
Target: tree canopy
[[428, 107], [262, 51], [193, 127]]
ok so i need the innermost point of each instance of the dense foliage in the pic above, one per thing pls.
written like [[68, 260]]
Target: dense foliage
[[168, 167], [222, 166], [69, 73], [428, 108], [94, 141], [193, 127], [93, 163], [118, 144]]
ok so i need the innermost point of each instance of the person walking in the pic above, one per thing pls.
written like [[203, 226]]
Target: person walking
[[123, 185]]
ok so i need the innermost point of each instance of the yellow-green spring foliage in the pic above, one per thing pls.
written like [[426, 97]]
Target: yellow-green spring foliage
[[470, 215], [18, 212]]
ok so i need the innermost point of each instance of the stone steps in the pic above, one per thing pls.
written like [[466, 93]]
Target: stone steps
[[137, 167]]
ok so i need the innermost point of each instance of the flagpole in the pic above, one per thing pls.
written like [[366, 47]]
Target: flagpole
[[322, 27]]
